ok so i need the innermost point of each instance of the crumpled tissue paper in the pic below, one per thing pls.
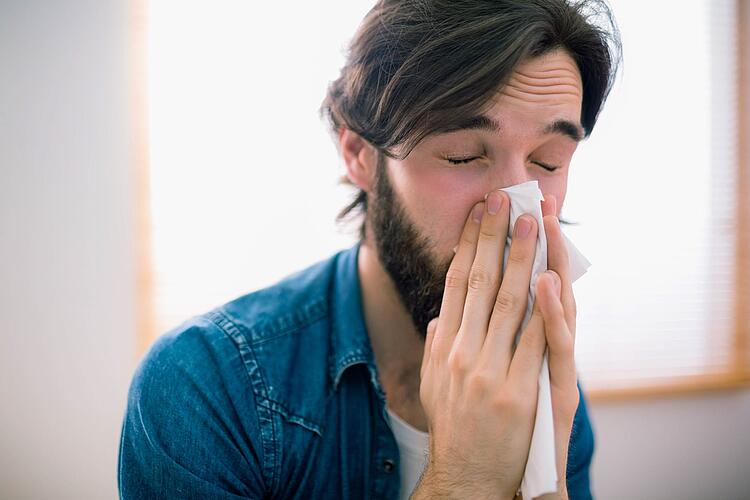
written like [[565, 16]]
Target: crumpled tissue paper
[[540, 476]]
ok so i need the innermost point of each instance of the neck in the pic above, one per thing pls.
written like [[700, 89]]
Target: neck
[[396, 344]]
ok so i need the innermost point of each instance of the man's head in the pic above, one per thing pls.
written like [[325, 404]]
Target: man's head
[[443, 101]]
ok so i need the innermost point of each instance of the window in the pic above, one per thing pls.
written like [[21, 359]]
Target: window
[[656, 190], [236, 148]]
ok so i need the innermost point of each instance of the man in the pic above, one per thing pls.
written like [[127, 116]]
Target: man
[[334, 382]]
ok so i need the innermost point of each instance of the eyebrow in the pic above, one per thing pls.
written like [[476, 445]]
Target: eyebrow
[[566, 128], [482, 122]]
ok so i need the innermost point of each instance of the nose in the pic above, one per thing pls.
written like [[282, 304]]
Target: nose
[[508, 173]]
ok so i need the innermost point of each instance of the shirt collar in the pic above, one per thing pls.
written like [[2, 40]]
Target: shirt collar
[[350, 343]]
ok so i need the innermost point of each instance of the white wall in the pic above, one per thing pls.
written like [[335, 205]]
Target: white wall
[[67, 326], [686, 447], [67, 298]]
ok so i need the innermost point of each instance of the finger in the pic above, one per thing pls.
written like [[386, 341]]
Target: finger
[[549, 205], [485, 274], [558, 261], [559, 338], [510, 303], [527, 359], [456, 282], [431, 327]]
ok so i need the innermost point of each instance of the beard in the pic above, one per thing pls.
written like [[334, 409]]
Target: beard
[[406, 254]]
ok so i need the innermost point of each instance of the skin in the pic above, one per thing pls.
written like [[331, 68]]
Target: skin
[[464, 375]]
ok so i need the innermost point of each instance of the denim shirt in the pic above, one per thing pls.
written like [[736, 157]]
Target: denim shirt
[[275, 395]]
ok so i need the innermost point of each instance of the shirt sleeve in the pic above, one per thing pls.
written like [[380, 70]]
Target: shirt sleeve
[[191, 429], [580, 453]]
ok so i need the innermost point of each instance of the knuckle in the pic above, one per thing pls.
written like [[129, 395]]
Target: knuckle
[[479, 278], [508, 401], [487, 232], [467, 240], [455, 278], [480, 382], [506, 302], [458, 363], [517, 255]]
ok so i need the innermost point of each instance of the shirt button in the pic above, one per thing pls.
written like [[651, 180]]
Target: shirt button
[[389, 465]]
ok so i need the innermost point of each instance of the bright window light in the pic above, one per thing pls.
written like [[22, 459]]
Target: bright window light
[[244, 173]]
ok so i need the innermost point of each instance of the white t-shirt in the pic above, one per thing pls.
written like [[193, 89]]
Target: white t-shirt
[[413, 448]]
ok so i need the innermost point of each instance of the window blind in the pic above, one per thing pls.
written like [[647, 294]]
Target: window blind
[[655, 194]]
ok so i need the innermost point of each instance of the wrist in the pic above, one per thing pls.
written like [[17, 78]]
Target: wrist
[[434, 485]]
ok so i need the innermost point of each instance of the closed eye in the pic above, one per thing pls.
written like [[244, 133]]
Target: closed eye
[[460, 161], [546, 167], [469, 159]]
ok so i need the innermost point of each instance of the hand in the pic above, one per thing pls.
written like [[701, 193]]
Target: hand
[[478, 395], [563, 386]]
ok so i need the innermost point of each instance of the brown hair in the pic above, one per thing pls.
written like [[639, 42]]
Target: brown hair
[[415, 67]]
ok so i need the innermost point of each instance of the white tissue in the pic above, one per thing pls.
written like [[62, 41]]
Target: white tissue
[[540, 476]]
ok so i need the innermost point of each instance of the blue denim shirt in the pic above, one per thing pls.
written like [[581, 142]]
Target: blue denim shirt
[[275, 395]]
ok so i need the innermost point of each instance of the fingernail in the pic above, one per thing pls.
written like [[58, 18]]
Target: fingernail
[[476, 213], [494, 202], [455, 249], [522, 228]]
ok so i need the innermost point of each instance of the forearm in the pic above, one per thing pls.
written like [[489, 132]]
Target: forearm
[[435, 486]]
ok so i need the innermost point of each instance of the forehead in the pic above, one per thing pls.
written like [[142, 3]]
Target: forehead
[[549, 84]]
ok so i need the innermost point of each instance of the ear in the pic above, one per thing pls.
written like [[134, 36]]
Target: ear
[[360, 158]]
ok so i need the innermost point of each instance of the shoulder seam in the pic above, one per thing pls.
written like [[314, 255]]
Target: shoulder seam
[[313, 313], [265, 399], [265, 415]]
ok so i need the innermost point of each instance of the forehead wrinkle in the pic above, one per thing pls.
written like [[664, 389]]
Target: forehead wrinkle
[[551, 83], [554, 73], [534, 92], [557, 72], [554, 81], [561, 79], [535, 89]]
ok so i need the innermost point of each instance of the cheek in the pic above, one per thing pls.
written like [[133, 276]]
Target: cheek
[[439, 203]]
